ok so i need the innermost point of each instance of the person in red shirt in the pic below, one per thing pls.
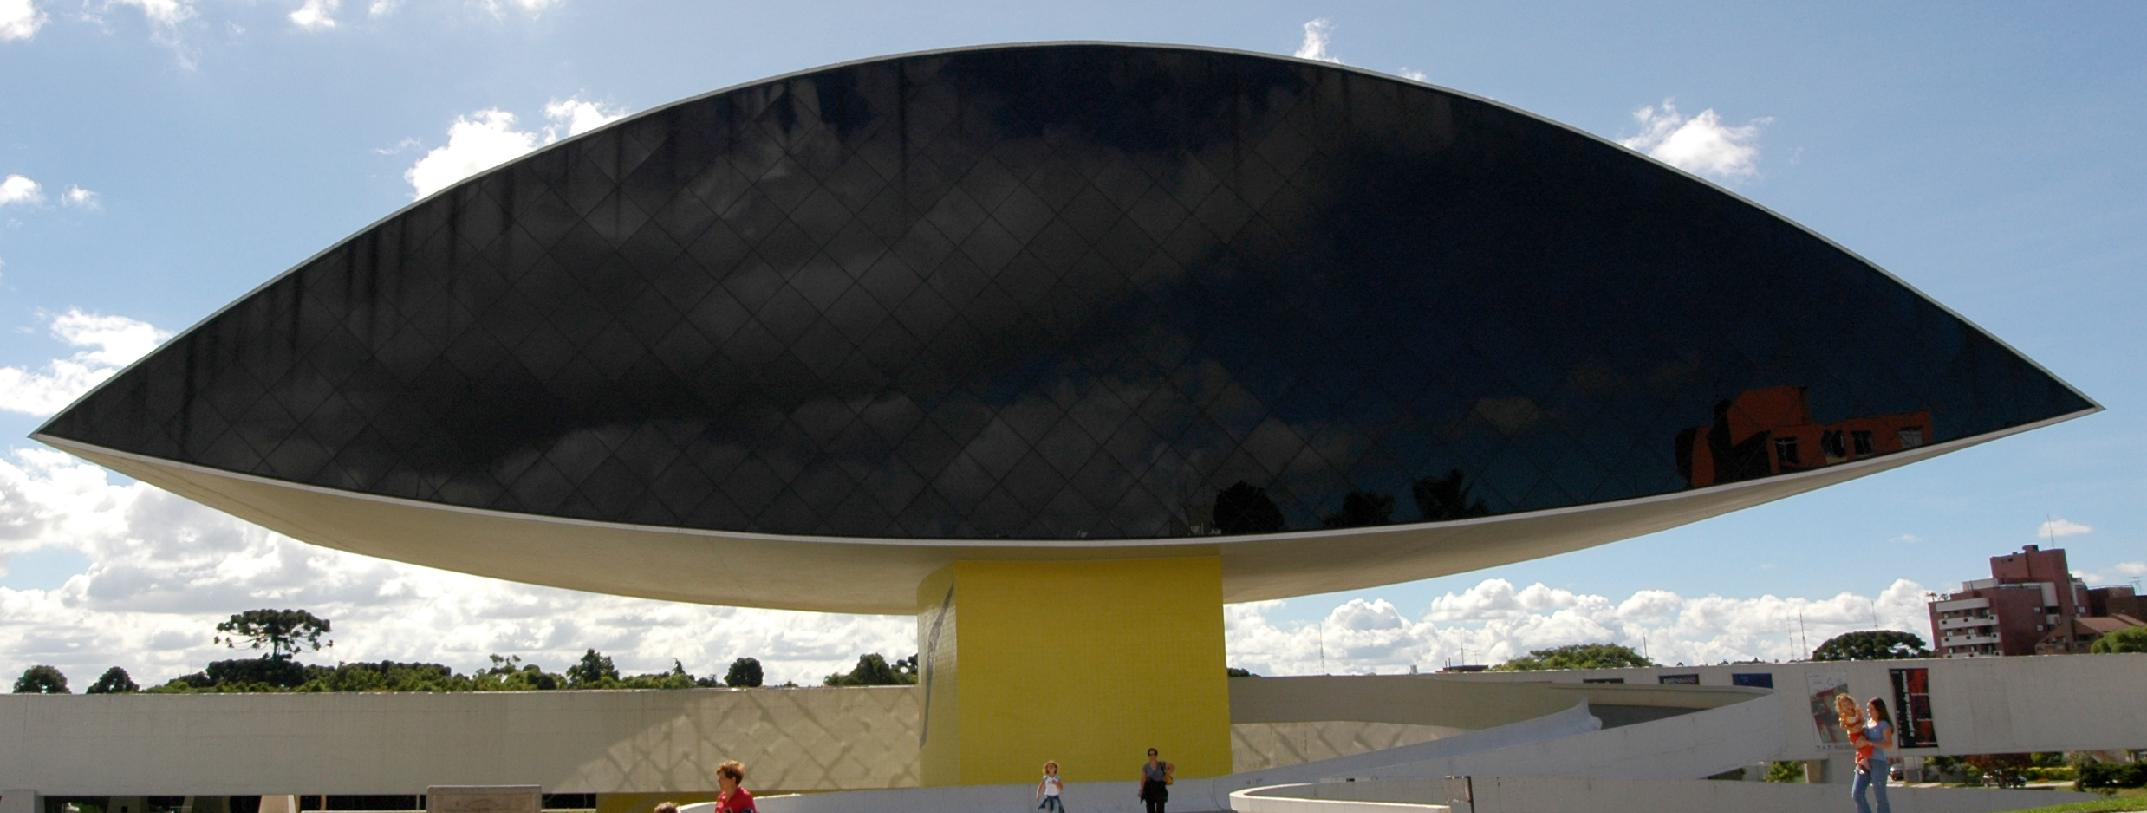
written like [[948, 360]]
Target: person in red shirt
[[730, 798]]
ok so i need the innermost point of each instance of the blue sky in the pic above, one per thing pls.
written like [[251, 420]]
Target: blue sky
[[176, 153]]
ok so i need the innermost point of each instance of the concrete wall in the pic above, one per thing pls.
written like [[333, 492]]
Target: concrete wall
[[837, 739], [1537, 794], [636, 741], [1693, 745], [566, 742], [1323, 798], [1979, 705]]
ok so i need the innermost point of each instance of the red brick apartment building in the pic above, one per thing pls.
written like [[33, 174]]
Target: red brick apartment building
[[2030, 605]]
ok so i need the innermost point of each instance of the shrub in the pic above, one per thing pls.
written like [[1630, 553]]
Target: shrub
[[2110, 775], [1785, 771]]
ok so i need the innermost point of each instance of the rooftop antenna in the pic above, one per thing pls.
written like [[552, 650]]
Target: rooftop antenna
[[1803, 642]]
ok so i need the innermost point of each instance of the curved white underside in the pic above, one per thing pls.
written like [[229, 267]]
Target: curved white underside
[[881, 575]]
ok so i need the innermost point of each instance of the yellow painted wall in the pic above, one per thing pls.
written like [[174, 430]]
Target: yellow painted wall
[[1088, 663]]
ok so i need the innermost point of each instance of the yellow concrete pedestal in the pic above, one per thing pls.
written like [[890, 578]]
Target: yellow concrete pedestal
[[1086, 663]]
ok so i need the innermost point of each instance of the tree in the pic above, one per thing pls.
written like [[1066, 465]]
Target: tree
[[114, 681], [1361, 508], [744, 673], [1232, 671], [591, 672], [1577, 656], [1444, 498], [1244, 508], [41, 679], [1785, 771], [1871, 645], [2130, 639], [873, 670], [248, 674], [284, 631]]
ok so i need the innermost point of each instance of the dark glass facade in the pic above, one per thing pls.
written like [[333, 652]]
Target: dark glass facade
[[1062, 292]]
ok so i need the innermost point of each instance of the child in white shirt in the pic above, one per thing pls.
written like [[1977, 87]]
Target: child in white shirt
[[1049, 790]]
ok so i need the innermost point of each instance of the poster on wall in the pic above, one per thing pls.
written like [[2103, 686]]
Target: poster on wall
[[1912, 709], [1823, 686]]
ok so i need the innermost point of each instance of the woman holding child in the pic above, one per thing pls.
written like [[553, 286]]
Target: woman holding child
[[1873, 736]]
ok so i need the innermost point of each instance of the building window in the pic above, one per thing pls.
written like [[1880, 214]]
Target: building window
[[1785, 450], [1911, 437], [1860, 439], [1830, 444]]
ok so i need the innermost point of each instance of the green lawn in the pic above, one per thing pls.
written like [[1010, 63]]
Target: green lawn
[[2125, 800]]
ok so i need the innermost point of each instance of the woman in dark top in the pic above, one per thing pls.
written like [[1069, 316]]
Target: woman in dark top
[[1155, 782]]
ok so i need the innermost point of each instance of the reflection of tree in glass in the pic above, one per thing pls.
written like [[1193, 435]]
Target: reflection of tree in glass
[[1244, 508], [1443, 498], [1361, 508]]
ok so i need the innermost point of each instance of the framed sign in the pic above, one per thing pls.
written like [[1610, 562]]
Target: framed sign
[[1913, 725]]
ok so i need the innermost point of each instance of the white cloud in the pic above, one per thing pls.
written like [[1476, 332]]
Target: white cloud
[[1314, 46], [2117, 574], [165, 17], [1493, 622], [1414, 75], [18, 190], [163, 571], [1701, 144], [2060, 527], [159, 12], [578, 116], [106, 344], [315, 15], [529, 7], [80, 198], [19, 19], [488, 138], [1907, 539], [380, 8], [475, 143]]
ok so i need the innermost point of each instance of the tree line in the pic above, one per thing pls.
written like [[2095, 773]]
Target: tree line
[[285, 634]]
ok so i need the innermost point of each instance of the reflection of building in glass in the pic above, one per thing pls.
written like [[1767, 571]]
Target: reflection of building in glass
[[2030, 605], [1770, 430]]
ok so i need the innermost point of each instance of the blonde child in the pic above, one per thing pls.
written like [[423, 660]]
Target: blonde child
[[1049, 790], [1853, 724]]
